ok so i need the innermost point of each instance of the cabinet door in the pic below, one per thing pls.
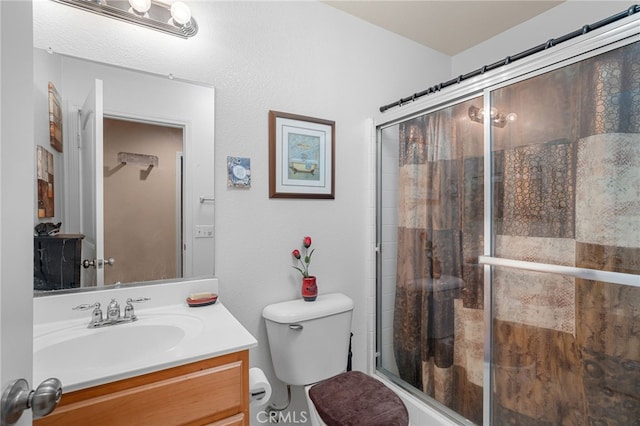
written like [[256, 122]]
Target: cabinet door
[[196, 394], [237, 420]]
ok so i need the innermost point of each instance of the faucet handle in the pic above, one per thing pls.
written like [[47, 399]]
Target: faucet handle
[[96, 315], [138, 300], [128, 309]]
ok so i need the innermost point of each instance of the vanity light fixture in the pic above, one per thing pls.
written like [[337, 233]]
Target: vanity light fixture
[[140, 7], [498, 118], [171, 18]]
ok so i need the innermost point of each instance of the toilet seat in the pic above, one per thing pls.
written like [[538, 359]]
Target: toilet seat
[[355, 398]]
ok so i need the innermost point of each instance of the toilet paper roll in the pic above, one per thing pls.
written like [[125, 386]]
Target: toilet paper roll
[[259, 387]]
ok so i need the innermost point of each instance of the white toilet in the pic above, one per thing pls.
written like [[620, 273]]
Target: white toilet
[[309, 343]]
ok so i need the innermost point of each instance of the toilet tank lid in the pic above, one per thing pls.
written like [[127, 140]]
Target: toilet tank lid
[[298, 310]]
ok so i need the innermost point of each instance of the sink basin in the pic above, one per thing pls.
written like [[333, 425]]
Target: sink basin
[[168, 333], [128, 343]]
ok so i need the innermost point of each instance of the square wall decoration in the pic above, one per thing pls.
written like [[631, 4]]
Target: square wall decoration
[[238, 172]]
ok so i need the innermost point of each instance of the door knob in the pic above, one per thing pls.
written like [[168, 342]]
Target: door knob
[[17, 397]]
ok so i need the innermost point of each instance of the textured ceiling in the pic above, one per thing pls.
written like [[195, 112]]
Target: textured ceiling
[[446, 26]]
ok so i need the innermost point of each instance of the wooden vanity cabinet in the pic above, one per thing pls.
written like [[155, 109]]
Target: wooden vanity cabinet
[[211, 392]]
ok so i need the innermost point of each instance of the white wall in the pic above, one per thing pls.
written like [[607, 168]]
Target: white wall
[[562, 19], [300, 57], [45, 71]]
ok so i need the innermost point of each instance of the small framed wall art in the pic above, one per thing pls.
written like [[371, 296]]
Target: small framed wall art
[[44, 171], [55, 118], [238, 172], [301, 156]]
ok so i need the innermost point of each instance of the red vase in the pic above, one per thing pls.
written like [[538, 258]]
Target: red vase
[[309, 289]]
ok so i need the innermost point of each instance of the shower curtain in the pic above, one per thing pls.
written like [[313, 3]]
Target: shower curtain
[[564, 348], [565, 191], [439, 283]]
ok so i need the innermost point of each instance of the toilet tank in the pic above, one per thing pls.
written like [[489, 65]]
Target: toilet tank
[[309, 341]]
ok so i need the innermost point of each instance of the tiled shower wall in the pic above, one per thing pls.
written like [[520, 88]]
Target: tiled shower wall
[[389, 239]]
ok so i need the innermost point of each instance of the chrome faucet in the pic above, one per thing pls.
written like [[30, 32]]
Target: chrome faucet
[[114, 315], [113, 311]]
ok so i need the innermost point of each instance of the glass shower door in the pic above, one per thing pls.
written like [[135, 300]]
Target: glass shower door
[[431, 283], [566, 347], [529, 316]]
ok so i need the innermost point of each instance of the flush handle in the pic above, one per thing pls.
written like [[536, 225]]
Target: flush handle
[[296, 327], [17, 397]]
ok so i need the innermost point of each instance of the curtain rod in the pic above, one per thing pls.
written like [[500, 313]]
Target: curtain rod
[[539, 48]]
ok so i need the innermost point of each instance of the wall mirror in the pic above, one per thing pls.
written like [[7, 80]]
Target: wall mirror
[[125, 166]]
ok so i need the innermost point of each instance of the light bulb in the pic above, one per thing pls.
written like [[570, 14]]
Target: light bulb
[[512, 116], [180, 13], [140, 6]]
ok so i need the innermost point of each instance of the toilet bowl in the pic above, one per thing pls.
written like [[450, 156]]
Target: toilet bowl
[[314, 416], [309, 345]]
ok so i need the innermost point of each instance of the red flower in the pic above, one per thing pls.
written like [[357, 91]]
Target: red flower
[[304, 262]]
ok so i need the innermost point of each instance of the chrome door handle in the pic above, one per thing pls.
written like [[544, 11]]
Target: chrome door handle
[[17, 397]]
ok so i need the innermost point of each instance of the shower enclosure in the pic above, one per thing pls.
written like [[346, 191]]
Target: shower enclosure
[[509, 235]]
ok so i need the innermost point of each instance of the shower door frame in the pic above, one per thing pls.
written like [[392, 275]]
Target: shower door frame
[[619, 34]]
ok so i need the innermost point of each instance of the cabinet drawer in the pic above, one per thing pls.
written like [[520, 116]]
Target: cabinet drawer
[[205, 393]]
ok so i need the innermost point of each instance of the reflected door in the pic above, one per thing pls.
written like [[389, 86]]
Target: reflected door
[[91, 146]]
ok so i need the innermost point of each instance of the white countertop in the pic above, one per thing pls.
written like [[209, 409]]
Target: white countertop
[[59, 352]]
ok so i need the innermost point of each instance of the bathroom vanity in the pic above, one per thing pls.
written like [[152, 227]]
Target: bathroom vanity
[[175, 365]]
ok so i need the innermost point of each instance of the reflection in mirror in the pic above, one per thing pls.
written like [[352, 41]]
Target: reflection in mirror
[[122, 181], [142, 201]]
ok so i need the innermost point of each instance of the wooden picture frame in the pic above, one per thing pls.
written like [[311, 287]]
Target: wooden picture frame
[[301, 156]]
